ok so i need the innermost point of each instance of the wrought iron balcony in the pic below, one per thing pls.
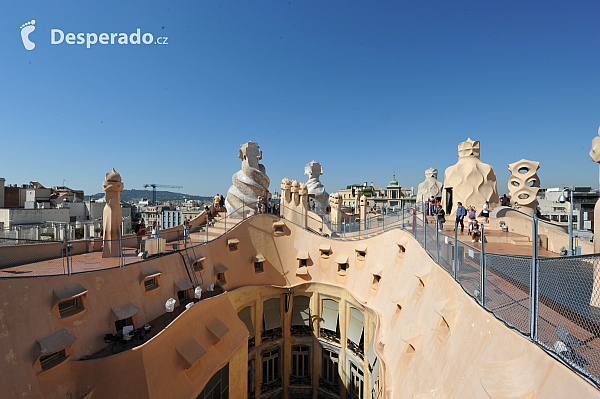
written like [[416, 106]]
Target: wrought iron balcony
[[330, 335], [301, 330], [329, 386], [295, 380], [275, 333], [271, 386], [356, 349]]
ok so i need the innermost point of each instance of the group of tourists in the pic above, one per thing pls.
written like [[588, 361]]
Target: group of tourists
[[434, 208], [264, 205], [140, 231], [219, 202], [474, 227]]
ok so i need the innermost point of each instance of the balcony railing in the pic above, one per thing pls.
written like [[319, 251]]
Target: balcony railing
[[271, 386], [295, 380], [329, 386], [270, 335], [330, 335], [300, 330], [357, 350]]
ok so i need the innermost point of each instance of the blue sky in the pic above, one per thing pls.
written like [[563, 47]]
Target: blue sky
[[366, 88]]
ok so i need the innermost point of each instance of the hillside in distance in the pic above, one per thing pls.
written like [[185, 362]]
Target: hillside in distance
[[161, 196]]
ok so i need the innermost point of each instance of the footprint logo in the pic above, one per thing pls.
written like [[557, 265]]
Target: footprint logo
[[26, 29]]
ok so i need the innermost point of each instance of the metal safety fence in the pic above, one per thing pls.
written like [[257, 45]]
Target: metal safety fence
[[554, 302], [27, 257]]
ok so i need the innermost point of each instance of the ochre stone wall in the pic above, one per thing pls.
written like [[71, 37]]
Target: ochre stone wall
[[431, 337]]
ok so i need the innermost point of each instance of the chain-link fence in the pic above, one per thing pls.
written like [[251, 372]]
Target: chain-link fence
[[507, 281], [555, 302], [568, 310], [60, 253]]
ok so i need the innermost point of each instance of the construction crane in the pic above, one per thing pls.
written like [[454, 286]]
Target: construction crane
[[153, 185]]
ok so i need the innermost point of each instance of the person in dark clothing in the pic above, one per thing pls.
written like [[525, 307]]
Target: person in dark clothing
[[441, 217], [461, 212], [475, 230]]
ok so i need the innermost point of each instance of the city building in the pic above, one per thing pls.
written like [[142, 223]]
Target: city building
[[170, 218], [293, 307], [35, 209], [584, 200], [390, 197], [152, 214]]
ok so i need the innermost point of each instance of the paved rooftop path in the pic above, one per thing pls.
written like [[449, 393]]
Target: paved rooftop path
[[500, 242]]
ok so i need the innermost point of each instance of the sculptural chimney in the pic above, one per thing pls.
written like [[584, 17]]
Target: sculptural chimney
[[469, 181], [524, 185], [316, 190], [249, 183], [112, 216]]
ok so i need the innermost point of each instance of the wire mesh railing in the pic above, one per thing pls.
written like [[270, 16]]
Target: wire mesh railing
[[27, 257], [555, 302]]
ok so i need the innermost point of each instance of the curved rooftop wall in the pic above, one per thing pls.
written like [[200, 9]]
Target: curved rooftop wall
[[432, 339]]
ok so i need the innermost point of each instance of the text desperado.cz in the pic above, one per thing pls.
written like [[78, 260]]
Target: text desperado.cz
[[57, 36]]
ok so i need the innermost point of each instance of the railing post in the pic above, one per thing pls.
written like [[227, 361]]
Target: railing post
[[414, 222], [424, 233], [66, 251], [482, 266], [207, 229], [533, 281], [437, 238], [570, 250], [121, 246], [402, 212], [455, 263]]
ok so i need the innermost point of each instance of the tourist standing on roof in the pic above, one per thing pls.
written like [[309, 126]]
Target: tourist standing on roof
[[485, 211], [441, 217], [259, 204], [461, 212], [432, 207], [472, 215], [140, 234]]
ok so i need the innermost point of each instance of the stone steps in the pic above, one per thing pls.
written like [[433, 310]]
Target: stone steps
[[520, 240]]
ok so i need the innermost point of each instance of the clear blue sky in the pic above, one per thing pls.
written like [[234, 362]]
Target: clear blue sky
[[366, 88]]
